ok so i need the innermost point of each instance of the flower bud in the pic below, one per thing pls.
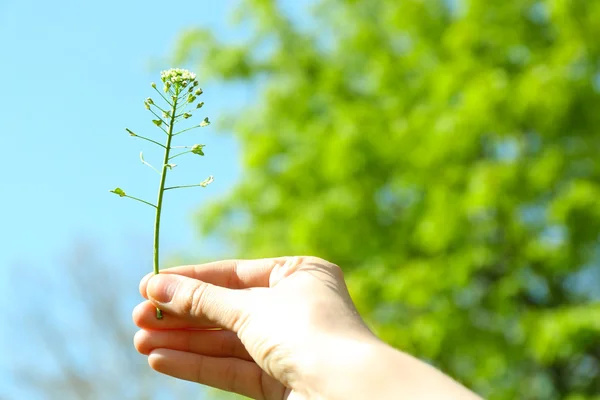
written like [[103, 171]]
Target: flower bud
[[149, 101], [186, 115], [191, 98], [119, 191], [198, 92], [153, 85], [200, 104], [204, 123]]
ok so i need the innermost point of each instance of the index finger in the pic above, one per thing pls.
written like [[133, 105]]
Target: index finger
[[232, 274]]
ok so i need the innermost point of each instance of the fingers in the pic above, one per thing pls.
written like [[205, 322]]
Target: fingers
[[230, 374], [233, 274], [188, 298], [144, 316], [216, 343]]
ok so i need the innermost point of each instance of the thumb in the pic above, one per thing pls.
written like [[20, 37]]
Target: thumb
[[190, 298]]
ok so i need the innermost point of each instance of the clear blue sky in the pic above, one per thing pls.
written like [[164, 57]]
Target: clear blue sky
[[74, 74]]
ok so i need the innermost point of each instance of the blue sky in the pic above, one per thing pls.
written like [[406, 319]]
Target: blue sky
[[74, 75]]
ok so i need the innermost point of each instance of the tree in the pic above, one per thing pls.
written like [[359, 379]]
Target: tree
[[79, 332], [445, 154]]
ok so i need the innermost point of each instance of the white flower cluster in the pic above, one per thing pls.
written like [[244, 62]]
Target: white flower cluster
[[177, 76]]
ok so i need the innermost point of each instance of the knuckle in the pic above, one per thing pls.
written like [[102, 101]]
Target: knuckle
[[197, 301], [318, 263], [233, 281], [336, 271]]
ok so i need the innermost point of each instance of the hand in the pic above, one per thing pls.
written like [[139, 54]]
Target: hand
[[282, 328]]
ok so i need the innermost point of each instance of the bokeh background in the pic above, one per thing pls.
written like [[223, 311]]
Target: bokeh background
[[445, 153]]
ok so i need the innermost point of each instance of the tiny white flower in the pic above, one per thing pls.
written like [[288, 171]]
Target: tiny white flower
[[178, 76]]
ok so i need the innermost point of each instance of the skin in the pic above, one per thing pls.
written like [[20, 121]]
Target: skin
[[272, 329]]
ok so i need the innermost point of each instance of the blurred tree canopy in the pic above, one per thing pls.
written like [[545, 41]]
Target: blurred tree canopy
[[445, 154]]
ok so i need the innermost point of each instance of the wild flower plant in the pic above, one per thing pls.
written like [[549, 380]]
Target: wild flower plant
[[181, 90]]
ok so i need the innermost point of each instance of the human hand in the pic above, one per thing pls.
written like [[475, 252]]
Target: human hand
[[282, 328], [278, 314]]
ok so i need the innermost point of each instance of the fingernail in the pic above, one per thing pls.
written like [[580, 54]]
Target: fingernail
[[161, 287]]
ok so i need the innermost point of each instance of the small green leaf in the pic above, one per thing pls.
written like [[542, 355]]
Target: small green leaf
[[197, 149], [207, 181], [157, 122], [204, 123], [119, 191]]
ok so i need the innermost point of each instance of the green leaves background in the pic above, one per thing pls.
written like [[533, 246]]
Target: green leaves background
[[446, 155]]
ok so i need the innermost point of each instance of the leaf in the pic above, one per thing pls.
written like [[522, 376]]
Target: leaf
[[157, 122], [207, 181], [119, 192]]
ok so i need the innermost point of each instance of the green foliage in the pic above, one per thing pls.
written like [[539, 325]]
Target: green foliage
[[445, 154]]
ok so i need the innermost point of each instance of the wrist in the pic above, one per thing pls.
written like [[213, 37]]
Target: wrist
[[348, 369], [326, 370]]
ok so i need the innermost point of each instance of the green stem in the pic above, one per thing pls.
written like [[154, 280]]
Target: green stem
[[145, 138], [185, 152], [161, 190], [184, 186], [157, 116], [159, 107], [188, 129], [143, 201], [163, 96]]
